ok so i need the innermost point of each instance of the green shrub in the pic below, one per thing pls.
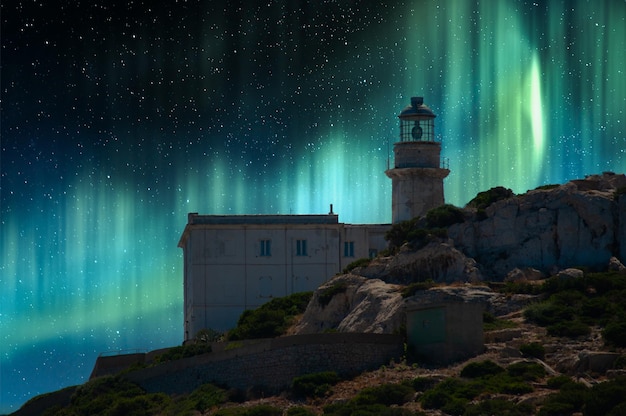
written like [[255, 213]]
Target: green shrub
[[547, 187], [524, 288], [352, 409], [271, 319], [258, 410], [481, 369], [575, 304], [556, 382], [548, 313], [419, 232], [603, 398], [203, 398], [208, 335], [552, 407], [450, 391], [314, 385], [325, 296], [615, 334], [556, 284], [423, 383], [516, 388], [112, 395], [569, 399], [598, 310], [606, 282], [444, 216], [571, 329], [375, 401], [357, 263], [398, 234], [436, 398], [525, 370], [500, 407], [300, 411], [387, 394], [184, 351], [484, 199], [534, 349]]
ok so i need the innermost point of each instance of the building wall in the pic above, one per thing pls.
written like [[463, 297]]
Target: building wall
[[238, 263]]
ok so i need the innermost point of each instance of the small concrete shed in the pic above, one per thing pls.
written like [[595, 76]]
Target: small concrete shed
[[445, 332]]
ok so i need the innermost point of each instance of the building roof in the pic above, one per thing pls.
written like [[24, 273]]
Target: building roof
[[195, 218]]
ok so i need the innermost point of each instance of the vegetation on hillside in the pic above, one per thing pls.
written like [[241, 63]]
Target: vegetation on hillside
[[567, 307], [484, 199], [325, 295], [114, 395], [572, 305], [183, 351], [420, 231], [271, 319]]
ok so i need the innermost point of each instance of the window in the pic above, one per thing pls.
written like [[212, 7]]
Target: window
[[266, 248], [301, 248], [348, 249]]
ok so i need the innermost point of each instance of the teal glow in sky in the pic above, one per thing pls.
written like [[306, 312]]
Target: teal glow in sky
[[120, 118]]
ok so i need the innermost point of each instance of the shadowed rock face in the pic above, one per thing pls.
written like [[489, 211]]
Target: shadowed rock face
[[581, 223]]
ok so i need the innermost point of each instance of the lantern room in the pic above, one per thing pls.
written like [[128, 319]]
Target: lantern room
[[417, 122]]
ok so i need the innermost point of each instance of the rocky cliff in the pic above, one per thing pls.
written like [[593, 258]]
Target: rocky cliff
[[580, 223], [524, 237]]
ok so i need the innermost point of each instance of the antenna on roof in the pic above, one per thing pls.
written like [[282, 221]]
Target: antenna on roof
[[331, 210]]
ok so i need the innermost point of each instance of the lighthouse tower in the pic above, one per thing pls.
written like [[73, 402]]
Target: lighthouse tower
[[417, 175]]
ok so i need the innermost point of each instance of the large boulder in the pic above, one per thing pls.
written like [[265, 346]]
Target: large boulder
[[351, 303], [438, 261]]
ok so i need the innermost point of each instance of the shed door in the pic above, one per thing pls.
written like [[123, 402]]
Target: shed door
[[427, 326]]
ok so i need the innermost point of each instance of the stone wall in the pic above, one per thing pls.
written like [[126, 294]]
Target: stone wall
[[270, 365]]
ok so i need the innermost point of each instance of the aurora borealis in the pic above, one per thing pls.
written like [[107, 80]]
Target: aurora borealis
[[119, 118]]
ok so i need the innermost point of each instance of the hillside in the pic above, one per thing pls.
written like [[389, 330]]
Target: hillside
[[546, 266]]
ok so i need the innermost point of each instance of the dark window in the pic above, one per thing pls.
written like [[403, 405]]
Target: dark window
[[348, 249], [266, 248], [301, 248]]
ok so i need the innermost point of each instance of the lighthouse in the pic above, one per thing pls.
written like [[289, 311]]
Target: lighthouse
[[418, 172]]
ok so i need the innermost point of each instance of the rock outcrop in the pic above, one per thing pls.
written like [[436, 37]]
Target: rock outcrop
[[372, 305], [438, 261], [581, 223]]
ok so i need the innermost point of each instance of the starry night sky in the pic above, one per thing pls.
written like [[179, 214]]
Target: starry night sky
[[119, 118]]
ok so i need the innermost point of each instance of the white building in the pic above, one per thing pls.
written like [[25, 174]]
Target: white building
[[238, 262]]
